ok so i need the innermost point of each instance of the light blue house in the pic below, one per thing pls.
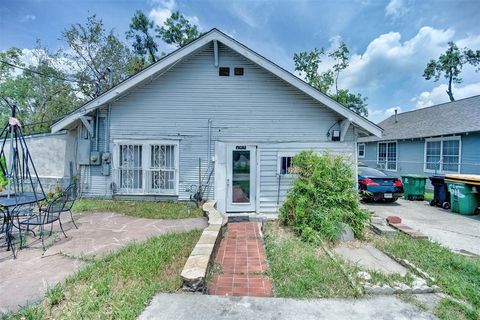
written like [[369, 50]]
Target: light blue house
[[213, 116], [440, 139]]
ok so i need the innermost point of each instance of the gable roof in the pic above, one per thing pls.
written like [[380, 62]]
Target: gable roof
[[167, 62], [455, 117]]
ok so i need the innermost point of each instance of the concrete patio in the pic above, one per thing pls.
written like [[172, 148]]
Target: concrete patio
[[28, 277]]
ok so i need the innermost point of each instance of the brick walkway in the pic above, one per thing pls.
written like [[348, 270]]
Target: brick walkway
[[241, 256]]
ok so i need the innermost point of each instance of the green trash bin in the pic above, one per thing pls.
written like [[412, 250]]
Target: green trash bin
[[464, 198], [414, 187]]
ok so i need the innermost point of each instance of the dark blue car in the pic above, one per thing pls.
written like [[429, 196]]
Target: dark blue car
[[374, 185]]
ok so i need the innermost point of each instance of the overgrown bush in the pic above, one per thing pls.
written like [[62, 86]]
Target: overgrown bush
[[323, 197]]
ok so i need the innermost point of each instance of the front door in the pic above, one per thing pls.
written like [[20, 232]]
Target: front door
[[241, 173]]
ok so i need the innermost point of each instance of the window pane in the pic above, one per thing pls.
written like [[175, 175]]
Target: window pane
[[162, 163], [392, 156], [361, 150], [433, 155], [450, 150], [131, 173], [382, 152], [286, 165], [241, 177]]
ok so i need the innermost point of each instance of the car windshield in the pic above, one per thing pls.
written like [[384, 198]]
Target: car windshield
[[370, 172]]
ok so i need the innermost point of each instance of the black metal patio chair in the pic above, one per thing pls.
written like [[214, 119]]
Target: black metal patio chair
[[71, 197], [41, 217]]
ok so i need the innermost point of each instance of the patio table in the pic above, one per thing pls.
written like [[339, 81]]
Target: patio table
[[10, 203]]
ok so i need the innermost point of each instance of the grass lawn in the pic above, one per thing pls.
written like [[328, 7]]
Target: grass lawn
[[120, 285], [142, 209], [456, 275], [299, 270]]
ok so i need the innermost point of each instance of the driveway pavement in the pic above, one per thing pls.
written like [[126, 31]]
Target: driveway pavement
[[27, 278], [457, 232], [205, 307]]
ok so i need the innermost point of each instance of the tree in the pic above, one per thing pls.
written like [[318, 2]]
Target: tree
[[41, 91], [7, 59], [96, 56], [143, 41], [450, 65], [341, 57], [308, 64], [177, 30]]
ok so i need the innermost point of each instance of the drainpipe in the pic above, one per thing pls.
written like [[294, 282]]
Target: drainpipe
[[96, 131], [209, 153]]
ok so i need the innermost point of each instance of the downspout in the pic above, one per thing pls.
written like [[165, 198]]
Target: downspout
[[96, 131], [209, 151], [107, 132]]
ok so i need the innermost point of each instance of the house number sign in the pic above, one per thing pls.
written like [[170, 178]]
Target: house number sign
[[241, 147]]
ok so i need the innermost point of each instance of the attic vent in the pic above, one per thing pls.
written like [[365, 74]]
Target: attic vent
[[238, 71], [224, 72]]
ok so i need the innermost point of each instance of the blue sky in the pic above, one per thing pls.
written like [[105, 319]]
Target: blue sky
[[391, 41]]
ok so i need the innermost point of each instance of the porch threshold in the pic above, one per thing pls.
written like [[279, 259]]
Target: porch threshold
[[251, 216]]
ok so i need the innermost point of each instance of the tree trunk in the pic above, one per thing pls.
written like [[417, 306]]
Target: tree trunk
[[152, 55], [449, 91]]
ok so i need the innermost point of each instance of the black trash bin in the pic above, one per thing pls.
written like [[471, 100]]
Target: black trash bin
[[441, 195]]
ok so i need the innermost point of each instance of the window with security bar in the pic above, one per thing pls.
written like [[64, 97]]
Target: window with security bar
[[148, 168]]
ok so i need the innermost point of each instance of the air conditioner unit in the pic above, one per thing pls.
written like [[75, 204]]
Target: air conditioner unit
[[381, 166]]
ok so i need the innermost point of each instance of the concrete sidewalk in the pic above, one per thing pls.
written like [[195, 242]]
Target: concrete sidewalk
[[197, 306], [454, 231]]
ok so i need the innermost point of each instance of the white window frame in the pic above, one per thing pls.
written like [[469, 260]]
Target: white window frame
[[396, 154], [146, 168], [364, 150], [441, 139], [281, 155]]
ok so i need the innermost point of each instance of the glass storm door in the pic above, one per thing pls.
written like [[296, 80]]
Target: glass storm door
[[241, 173]]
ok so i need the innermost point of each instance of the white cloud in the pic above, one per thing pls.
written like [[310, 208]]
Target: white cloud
[[387, 57], [438, 94], [377, 115], [244, 14], [28, 17], [471, 41], [396, 9], [160, 15], [163, 10]]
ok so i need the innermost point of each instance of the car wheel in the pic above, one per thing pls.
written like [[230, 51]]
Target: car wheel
[[391, 200], [446, 205], [433, 203]]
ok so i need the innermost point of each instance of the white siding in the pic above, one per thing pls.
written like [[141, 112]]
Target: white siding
[[255, 108], [270, 198]]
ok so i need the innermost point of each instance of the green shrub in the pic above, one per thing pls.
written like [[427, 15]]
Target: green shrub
[[323, 197]]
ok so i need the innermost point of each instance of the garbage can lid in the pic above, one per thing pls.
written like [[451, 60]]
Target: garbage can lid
[[417, 176], [463, 178]]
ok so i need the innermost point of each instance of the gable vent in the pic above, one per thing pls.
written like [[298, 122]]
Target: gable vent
[[224, 72], [238, 71]]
